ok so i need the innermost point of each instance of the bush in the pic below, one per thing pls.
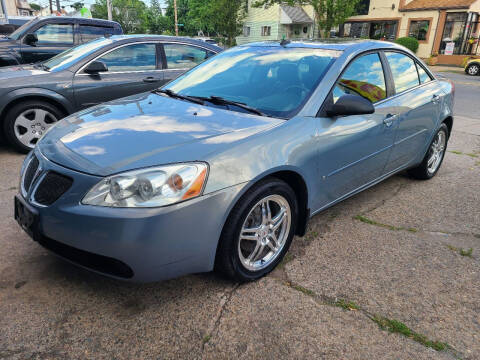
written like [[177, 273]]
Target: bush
[[409, 42]]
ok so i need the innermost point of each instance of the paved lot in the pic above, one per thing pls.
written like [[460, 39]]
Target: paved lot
[[397, 254]]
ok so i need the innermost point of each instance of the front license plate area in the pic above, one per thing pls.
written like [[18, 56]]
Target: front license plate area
[[26, 217]]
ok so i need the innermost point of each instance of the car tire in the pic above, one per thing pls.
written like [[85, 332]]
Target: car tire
[[19, 121], [235, 254], [434, 157], [473, 69]]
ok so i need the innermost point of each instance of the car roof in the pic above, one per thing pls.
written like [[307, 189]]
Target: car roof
[[330, 44], [76, 19], [147, 37]]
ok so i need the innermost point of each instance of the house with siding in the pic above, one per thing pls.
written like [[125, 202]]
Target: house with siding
[[449, 28], [276, 22]]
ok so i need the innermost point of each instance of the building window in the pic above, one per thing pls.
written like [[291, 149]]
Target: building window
[[266, 30], [246, 31], [419, 29]]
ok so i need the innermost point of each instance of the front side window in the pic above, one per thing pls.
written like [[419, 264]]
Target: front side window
[[136, 57], [364, 77], [419, 29], [55, 34], [89, 33], [266, 30], [404, 71], [181, 56], [276, 81]]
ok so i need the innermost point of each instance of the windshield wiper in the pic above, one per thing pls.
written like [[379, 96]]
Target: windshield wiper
[[41, 66], [217, 100], [173, 94]]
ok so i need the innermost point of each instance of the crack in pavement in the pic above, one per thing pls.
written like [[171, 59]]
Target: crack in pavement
[[224, 300]]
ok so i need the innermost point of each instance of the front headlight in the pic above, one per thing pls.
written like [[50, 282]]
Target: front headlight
[[151, 187]]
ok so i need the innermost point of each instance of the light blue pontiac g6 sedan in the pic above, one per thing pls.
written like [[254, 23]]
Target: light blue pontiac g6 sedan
[[220, 168]]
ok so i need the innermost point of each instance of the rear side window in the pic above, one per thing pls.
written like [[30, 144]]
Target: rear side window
[[422, 74], [181, 56], [404, 71], [89, 33], [364, 77]]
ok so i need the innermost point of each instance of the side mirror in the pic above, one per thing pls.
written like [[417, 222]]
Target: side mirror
[[31, 39], [96, 67], [351, 105]]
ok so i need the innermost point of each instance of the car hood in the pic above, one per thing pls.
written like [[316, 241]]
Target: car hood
[[18, 71], [145, 130]]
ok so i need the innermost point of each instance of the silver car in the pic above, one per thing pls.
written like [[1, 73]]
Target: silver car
[[220, 168]]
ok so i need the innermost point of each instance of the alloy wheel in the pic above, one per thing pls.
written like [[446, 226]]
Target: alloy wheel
[[32, 124], [264, 232], [436, 151], [473, 69]]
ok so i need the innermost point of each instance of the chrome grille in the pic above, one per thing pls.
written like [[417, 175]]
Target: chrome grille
[[30, 174]]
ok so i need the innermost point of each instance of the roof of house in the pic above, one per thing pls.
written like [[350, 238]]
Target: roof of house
[[437, 4], [296, 14]]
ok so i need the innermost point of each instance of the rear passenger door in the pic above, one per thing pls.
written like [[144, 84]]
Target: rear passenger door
[[416, 97], [132, 69], [179, 58]]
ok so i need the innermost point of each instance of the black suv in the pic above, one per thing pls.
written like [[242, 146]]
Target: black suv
[[41, 38]]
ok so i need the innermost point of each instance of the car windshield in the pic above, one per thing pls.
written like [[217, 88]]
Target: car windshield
[[75, 54], [19, 32], [276, 81]]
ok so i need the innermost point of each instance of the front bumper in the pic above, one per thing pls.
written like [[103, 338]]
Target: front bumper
[[156, 244]]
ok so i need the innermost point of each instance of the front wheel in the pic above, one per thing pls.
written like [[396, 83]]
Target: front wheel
[[28, 121], [473, 69], [433, 159], [258, 232]]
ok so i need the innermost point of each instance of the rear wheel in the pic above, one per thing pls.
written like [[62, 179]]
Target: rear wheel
[[26, 122], [473, 69], [433, 159], [258, 232]]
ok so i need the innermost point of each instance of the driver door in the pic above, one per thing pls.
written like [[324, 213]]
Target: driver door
[[353, 150], [52, 40], [132, 69]]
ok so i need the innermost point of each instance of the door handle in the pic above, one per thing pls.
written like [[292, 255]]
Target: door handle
[[389, 119], [435, 99], [151, 79]]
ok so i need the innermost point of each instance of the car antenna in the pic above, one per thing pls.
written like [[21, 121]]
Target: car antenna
[[284, 41]]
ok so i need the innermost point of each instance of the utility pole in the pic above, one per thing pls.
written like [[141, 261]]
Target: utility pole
[[51, 7], [109, 9], [176, 17], [58, 7]]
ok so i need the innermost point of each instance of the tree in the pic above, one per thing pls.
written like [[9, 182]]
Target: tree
[[130, 14], [328, 13], [77, 5], [229, 16], [35, 7], [156, 22]]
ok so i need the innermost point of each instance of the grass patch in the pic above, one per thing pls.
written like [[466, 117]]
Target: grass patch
[[311, 236], [286, 259], [466, 252], [206, 338], [395, 326], [463, 252], [302, 289], [350, 305], [366, 220], [472, 155]]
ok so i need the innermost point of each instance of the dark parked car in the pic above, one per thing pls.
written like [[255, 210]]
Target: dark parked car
[[224, 165], [33, 97], [41, 38]]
